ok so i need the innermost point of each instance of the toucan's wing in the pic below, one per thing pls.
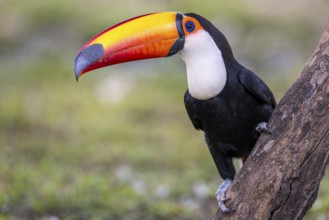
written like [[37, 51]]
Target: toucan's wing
[[256, 87]]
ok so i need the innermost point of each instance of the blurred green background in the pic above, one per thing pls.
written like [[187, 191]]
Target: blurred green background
[[118, 144]]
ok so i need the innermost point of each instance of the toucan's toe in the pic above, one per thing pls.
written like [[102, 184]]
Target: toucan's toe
[[221, 195], [262, 127]]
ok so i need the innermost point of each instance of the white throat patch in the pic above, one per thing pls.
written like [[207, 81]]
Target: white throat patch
[[206, 72]]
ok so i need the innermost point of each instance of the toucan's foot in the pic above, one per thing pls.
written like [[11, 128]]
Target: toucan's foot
[[221, 195], [262, 127]]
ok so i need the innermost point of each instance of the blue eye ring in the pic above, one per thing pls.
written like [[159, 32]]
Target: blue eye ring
[[189, 26]]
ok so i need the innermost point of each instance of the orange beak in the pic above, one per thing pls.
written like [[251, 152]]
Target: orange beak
[[147, 36]]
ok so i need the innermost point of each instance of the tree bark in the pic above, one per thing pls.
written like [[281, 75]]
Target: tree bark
[[281, 177]]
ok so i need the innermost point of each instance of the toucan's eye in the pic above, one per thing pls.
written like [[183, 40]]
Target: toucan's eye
[[189, 26]]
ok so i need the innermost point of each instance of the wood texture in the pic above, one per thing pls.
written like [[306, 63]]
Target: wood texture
[[281, 177]]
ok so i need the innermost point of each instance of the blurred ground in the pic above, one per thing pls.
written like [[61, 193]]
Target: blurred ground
[[118, 144]]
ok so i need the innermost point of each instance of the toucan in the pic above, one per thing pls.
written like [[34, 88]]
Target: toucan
[[224, 99]]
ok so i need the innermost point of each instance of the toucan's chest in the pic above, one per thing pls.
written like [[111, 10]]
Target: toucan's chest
[[230, 117]]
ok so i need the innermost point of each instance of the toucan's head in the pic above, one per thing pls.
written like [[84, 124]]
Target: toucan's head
[[147, 36]]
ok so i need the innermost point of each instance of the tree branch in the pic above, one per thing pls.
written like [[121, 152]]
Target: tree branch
[[281, 177]]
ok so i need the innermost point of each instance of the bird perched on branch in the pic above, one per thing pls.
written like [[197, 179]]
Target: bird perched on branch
[[225, 100]]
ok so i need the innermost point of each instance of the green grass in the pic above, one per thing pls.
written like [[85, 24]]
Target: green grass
[[61, 153]]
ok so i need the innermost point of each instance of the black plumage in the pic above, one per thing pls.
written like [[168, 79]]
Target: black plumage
[[229, 120]]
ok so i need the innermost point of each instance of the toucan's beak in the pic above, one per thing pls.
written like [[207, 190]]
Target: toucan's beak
[[143, 37]]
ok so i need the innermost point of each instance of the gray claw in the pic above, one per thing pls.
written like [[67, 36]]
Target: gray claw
[[262, 127], [221, 195]]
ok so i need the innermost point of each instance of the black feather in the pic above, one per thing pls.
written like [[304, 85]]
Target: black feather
[[229, 119]]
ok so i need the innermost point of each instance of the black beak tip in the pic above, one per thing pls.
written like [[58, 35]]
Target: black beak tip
[[87, 57], [77, 68]]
